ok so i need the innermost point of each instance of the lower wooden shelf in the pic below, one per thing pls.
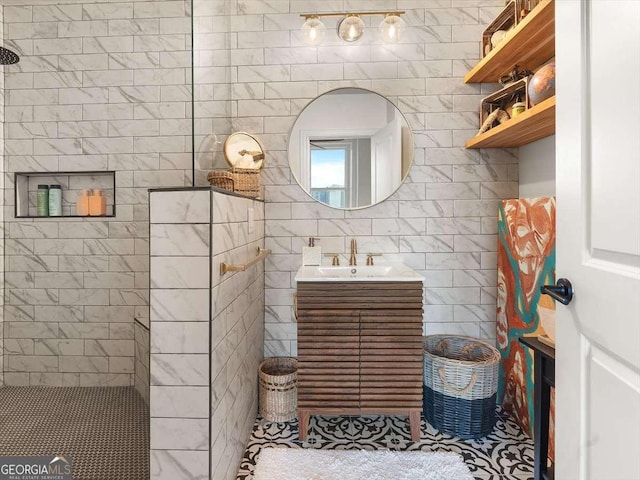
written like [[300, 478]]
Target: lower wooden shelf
[[535, 123]]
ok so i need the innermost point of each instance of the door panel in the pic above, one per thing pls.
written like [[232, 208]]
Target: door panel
[[598, 239]]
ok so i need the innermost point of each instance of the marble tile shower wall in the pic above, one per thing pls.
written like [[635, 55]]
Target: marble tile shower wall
[[442, 221], [100, 86], [1, 209], [207, 332]]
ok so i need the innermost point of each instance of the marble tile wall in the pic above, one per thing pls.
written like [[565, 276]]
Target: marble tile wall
[[207, 331], [141, 369], [442, 221], [2, 232], [100, 86]]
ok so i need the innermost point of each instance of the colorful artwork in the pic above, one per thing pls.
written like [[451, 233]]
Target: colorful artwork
[[526, 260]]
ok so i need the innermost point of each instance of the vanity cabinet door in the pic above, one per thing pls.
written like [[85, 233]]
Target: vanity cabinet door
[[328, 358], [390, 359]]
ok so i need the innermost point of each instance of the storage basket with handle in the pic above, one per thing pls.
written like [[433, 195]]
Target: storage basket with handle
[[278, 389], [245, 181], [460, 384]]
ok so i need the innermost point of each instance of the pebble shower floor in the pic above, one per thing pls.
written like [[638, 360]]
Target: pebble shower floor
[[505, 454], [104, 429]]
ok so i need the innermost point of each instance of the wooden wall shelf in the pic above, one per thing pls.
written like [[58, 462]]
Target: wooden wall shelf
[[530, 44], [535, 123]]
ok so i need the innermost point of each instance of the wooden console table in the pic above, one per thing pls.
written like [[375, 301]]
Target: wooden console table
[[544, 379]]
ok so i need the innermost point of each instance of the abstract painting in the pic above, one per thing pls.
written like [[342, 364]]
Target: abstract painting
[[526, 260]]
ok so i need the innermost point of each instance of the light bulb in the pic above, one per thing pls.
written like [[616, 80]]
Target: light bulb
[[391, 28], [313, 31], [351, 28]]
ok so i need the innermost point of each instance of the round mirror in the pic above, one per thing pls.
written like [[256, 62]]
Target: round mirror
[[350, 148]]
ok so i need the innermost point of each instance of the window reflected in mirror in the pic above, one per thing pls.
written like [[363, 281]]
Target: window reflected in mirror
[[350, 148]]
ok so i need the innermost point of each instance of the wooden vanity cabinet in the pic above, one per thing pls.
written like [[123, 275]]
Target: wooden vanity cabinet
[[359, 350]]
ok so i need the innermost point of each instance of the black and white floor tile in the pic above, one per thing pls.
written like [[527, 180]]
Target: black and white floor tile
[[505, 454]]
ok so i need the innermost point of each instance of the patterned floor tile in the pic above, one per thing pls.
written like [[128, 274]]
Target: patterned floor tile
[[505, 454]]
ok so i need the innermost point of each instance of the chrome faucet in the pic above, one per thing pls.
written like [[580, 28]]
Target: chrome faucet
[[354, 250]]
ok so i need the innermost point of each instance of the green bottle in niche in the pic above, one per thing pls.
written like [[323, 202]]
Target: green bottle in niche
[[42, 201], [55, 201]]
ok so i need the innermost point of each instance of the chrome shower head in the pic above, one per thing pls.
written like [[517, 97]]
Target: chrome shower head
[[7, 57]]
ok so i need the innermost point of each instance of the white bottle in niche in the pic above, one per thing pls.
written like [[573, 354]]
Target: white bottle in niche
[[311, 255]]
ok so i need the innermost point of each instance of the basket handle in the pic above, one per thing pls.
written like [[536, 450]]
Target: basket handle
[[460, 391]]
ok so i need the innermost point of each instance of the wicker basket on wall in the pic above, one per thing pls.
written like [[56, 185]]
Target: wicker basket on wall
[[278, 389], [460, 385]]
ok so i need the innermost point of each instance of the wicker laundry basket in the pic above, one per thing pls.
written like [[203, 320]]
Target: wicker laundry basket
[[460, 385], [278, 389], [245, 181]]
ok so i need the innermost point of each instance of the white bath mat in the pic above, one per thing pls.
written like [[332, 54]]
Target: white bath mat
[[311, 464]]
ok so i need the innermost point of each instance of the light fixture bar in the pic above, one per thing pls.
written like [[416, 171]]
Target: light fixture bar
[[306, 16]]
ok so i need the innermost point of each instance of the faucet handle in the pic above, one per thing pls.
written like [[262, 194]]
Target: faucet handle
[[370, 257], [335, 260]]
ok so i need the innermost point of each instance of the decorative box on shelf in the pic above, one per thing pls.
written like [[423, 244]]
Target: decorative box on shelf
[[505, 98], [499, 28]]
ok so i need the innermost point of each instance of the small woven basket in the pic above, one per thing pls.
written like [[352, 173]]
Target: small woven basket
[[245, 181], [278, 389], [460, 385]]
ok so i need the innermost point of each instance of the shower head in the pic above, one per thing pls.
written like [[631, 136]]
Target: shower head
[[7, 57]]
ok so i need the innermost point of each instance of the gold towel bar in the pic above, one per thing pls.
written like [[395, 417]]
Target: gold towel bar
[[226, 267]]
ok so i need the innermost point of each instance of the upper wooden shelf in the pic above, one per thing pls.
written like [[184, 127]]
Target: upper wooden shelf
[[530, 44], [535, 123]]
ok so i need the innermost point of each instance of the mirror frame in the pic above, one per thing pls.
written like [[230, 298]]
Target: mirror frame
[[410, 154]]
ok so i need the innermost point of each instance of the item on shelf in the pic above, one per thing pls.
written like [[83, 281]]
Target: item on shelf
[[82, 203], [498, 115], [497, 37], [503, 99], [245, 181], [514, 76], [543, 83], [42, 201], [97, 203], [505, 21], [243, 150], [517, 109], [55, 201]]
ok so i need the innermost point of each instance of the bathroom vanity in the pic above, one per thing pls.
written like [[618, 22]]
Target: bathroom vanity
[[359, 342]]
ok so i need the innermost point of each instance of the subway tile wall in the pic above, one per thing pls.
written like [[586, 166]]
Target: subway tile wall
[[141, 370], [2, 226], [100, 86], [205, 327], [256, 75]]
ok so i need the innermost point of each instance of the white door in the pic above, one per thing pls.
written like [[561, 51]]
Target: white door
[[598, 242], [386, 160]]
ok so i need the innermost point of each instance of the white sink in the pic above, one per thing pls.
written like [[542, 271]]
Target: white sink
[[389, 272]]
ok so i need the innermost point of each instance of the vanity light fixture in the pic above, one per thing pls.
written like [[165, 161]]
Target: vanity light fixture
[[351, 27], [313, 30]]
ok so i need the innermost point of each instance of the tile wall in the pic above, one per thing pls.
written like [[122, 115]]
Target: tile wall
[[2, 232], [442, 221], [141, 369], [100, 86], [207, 331]]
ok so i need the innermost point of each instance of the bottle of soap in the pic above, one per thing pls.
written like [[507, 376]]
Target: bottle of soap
[[82, 203], [97, 203], [42, 201], [311, 255], [55, 201]]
